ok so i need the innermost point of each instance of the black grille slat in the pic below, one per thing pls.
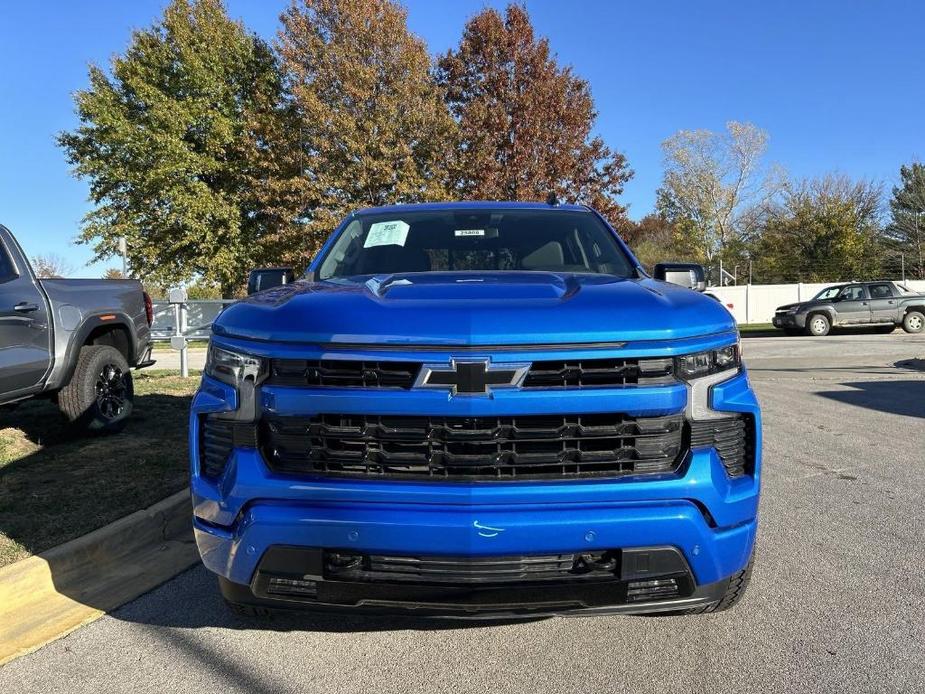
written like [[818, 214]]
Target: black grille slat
[[343, 373], [566, 373], [579, 373], [217, 437], [463, 570], [733, 439], [480, 447]]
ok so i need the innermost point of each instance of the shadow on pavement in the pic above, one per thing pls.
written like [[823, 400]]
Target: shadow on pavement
[[183, 613], [906, 398]]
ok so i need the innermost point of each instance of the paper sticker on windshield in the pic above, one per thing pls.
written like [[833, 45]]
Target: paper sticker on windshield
[[387, 234], [470, 232]]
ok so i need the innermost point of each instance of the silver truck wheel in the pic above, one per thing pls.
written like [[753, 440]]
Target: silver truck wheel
[[914, 322], [818, 325]]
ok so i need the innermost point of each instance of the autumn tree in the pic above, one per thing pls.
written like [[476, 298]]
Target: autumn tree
[[824, 230], [716, 185], [905, 234], [372, 124], [655, 239], [167, 141], [525, 122], [51, 266]]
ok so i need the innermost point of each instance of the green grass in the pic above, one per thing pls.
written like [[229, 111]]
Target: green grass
[[758, 328], [56, 484]]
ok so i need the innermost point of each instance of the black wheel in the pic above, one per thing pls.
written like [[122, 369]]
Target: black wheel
[[818, 325], [738, 583], [100, 394], [914, 322]]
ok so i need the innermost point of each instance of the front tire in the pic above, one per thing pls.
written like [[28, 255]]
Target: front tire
[[818, 325], [914, 322], [100, 394], [735, 590]]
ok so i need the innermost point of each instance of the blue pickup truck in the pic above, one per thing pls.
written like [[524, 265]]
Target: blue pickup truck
[[476, 409]]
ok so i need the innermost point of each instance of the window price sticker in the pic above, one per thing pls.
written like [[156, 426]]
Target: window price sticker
[[387, 234], [470, 232]]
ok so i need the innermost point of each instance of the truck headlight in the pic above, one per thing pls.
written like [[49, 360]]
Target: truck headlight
[[693, 366], [233, 368], [702, 371]]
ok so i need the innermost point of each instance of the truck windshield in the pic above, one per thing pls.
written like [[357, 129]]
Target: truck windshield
[[486, 240], [828, 293]]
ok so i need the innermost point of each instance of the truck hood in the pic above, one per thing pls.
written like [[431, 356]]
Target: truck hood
[[443, 308], [803, 305]]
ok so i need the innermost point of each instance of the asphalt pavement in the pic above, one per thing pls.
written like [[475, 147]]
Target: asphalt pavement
[[836, 603]]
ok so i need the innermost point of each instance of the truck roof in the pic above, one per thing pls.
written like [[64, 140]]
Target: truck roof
[[472, 205]]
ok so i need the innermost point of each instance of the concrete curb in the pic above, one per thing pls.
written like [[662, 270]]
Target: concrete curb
[[47, 596]]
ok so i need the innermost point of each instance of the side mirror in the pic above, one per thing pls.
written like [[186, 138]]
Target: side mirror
[[687, 275], [268, 277]]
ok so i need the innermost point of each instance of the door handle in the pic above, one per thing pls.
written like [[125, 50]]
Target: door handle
[[863, 303], [25, 307]]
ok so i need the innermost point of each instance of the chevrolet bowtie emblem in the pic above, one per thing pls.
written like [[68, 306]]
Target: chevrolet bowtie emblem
[[471, 377]]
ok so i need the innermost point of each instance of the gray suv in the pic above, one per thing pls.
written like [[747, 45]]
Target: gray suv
[[882, 304]]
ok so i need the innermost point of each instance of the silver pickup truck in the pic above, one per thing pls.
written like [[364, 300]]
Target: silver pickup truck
[[72, 340], [881, 304]]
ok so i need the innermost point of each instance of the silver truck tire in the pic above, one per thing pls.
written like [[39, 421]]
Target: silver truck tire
[[914, 322], [818, 325], [100, 394]]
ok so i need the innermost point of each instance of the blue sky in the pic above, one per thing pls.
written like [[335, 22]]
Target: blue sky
[[838, 85]]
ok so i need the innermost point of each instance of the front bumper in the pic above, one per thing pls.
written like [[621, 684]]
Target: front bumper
[[789, 320], [710, 518], [586, 596]]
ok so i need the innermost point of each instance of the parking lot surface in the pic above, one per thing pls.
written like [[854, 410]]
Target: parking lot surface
[[836, 603]]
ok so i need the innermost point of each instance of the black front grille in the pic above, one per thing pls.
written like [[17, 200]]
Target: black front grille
[[343, 373], [562, 373], [216, 439], [732, 437], [578, 373], [473, 447], [470, 569]]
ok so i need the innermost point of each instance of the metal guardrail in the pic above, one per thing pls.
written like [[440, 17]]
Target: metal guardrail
[[178, 320]]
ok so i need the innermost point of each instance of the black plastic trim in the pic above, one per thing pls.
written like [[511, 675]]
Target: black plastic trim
[[91, 323], [593, 597]]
